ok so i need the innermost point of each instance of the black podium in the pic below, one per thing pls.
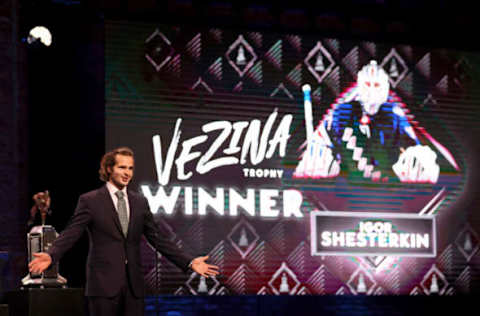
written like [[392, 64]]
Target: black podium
[[48, 302]]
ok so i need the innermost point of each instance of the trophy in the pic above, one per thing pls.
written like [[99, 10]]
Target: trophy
[[40, 239]]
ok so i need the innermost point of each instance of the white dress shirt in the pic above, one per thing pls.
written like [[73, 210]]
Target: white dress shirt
[[113, 189]]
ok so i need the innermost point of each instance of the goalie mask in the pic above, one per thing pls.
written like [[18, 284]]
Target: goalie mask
[[373, 86]]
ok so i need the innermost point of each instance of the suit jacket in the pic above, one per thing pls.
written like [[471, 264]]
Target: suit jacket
[[112, 257]]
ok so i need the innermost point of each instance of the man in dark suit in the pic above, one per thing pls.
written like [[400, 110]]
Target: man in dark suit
[[115, 219]]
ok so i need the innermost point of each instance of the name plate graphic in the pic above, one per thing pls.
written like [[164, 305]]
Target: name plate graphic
[[372, 234]]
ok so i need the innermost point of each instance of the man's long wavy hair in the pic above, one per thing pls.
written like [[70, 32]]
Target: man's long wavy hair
[[108, 161]]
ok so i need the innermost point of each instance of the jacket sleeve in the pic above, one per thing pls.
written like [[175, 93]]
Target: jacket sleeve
[[163, 243], [75, 228]]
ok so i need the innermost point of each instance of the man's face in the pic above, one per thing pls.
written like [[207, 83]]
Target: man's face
[[122, 171]]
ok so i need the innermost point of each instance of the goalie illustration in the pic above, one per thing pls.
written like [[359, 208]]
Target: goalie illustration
[[367, 131]]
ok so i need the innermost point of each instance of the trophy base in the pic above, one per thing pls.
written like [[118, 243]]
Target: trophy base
[[42, 282]]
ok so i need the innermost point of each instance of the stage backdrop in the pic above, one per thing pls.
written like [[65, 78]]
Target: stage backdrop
[[300, 164]]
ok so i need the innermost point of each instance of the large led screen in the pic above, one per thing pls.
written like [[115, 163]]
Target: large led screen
[[300, 164]]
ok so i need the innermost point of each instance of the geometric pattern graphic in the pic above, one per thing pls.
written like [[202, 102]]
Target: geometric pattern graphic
[[158, 50], [216, 69], [319, 62], [445, 261], [299, 257], [464, 281], [442, 85], [257, 258], [332, 81], [434, 282], [429, 101], [295, 42], [424, 66], [274, 55], [284, 281], [361, 282], [255, 73], [317, 280], [468, 242], [243, 238], [240, 280], [351, 62], [198, 284], [200, 83], [375, 261], [395, 67], [194, 47], [295, 76], [241, 56], [241, 76], [405, 87], [281, 88]]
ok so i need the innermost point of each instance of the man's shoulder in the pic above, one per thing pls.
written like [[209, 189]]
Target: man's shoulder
[[135, 194], [92, 194]]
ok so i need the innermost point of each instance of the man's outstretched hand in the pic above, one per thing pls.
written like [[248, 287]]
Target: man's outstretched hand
[[41, 262], [201, 267]]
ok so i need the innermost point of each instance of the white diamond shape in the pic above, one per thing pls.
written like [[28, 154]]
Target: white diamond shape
[[459, 241], [193, 276], [434, 271], [251, 245], [241, 41], [393, 54], [325, 53], [165, 39], [366, 274], [284, 269]]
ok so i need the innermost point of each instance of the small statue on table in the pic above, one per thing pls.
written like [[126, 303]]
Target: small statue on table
[[40, 239], [40, 210]]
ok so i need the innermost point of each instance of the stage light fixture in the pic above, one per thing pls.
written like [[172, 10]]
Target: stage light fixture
[[40, 33]]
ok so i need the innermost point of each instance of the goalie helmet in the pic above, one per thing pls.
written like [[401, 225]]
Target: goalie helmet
[[373, 87]]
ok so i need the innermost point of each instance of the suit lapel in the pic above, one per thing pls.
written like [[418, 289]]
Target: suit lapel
[[110, 208]]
